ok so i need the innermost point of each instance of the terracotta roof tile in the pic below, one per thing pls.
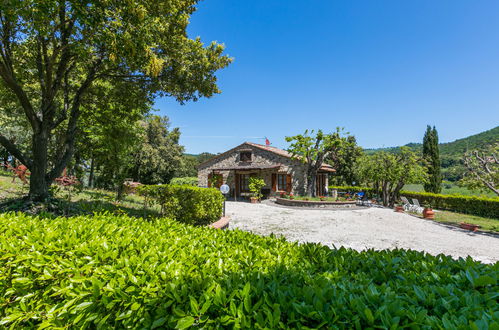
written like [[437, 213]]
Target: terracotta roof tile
[[285, 153], [281, 152]]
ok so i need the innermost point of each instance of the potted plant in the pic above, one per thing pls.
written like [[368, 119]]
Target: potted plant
[[399, 207], [255, 186], [428, 213], [469, 226]]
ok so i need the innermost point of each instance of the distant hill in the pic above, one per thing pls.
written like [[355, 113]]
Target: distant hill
[[477, 141], [451, 153]]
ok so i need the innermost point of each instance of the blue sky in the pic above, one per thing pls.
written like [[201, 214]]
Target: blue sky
[[381, 69]]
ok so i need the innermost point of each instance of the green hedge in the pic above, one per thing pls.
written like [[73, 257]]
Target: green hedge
[[119, 272], [481, 206], [190, 205], [190, 181], [355, 189]]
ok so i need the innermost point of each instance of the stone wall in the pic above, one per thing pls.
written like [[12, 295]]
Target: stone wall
[[259, 157]]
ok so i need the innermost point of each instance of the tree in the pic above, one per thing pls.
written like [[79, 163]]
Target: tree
[[482, 169], [104, 144], [387, 172], [431, 156], [345, 162], [188, 167], [159, 154], [52, 52], [312, 151]]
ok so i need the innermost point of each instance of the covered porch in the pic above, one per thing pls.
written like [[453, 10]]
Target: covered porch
[[276, 177], [237, 178]]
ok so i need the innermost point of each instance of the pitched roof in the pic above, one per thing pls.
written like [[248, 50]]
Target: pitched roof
[[277, 151], [285, 153]]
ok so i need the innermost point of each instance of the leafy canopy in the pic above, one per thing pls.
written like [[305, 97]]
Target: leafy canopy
[[482, 169], [54, 51], [314, 150], [388, 172]]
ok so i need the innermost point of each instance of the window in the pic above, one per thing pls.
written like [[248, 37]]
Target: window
[[282, 182], [244, 182], [245, 156]]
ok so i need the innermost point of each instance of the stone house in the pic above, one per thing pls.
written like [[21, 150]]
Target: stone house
[[275, 166]]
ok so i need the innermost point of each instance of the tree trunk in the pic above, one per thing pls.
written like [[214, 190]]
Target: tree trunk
[[38, 184], [385, 194], [311, 178], [91, 175]]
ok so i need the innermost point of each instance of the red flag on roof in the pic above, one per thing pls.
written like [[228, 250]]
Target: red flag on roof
[[267, 142]]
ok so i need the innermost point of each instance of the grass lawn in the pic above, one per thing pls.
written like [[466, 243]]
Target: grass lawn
[[487, 224], [456, 218], [86, 201], [450, 189]]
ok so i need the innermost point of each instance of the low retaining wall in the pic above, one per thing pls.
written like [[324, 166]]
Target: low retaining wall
[[296, 202], [223, 223]]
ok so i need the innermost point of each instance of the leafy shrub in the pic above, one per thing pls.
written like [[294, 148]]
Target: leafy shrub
[[190, 205], [190, 181], [119, 272], [481, 206]]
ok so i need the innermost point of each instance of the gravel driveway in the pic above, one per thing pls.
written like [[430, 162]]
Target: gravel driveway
[[362, 229]]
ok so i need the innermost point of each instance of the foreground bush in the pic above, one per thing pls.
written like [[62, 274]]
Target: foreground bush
[[190, 181], [120, 272], [190, 205]]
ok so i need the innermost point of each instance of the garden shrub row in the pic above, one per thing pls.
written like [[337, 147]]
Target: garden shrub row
[[187, 204], [190, 181], [118, 272], [481, 206], [353, 189]]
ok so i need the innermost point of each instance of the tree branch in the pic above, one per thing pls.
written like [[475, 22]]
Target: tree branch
[[14, 151], [73, 120]]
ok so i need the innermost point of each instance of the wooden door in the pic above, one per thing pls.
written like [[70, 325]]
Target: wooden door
[[320, 185], [237, 190]]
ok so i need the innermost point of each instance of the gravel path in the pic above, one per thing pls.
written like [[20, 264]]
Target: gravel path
[[362, 229]]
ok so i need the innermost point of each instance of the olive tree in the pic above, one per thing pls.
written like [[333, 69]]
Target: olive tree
[[314, 150], [52, 52], [387, 172], [482, 169]]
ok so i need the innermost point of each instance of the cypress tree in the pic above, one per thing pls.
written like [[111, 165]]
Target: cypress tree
[[432, 156]]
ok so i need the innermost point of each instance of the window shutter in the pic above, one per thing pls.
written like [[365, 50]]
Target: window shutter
[[209, 179], [274, 182], [236, 184], [288, 183]]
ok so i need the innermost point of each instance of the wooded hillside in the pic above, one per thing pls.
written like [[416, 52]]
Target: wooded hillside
[[451, 153]]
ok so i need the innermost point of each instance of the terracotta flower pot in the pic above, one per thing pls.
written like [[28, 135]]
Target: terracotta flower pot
[[254, 200], [399, 209], [428, 213], [469, 226]]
